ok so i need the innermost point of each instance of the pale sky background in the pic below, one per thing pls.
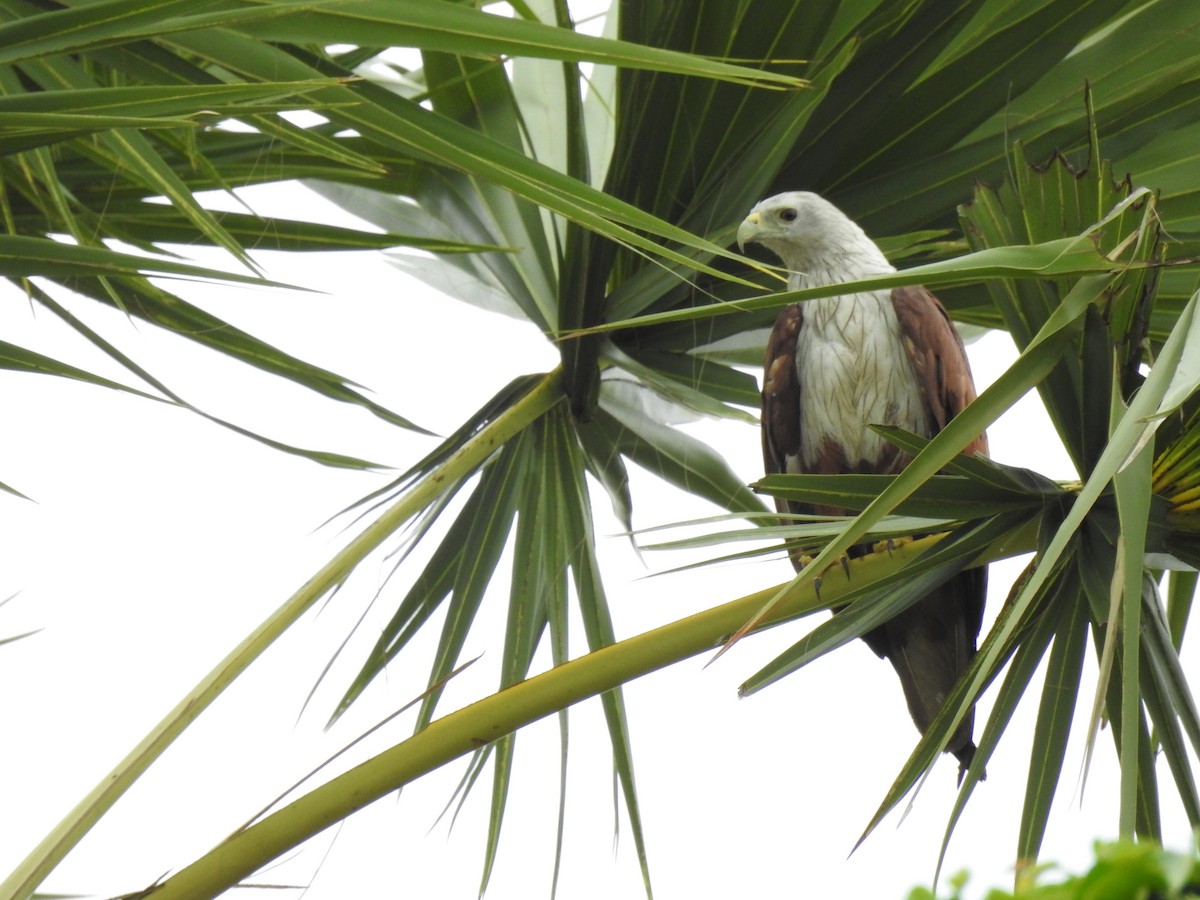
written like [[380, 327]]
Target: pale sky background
[[158, 540]]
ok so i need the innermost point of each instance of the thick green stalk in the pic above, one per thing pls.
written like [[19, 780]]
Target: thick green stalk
[[467, 729], [25, 879]]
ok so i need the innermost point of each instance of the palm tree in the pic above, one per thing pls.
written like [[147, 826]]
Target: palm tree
[[592, 185]]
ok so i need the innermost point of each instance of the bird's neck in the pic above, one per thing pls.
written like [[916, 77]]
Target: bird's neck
[[850, 261], [844, 255], [835, 313]]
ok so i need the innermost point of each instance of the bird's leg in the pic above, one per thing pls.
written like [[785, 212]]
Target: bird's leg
[[890, 544], [803, 560]]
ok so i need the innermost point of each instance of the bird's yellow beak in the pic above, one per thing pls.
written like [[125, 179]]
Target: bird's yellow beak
[[747, 231]]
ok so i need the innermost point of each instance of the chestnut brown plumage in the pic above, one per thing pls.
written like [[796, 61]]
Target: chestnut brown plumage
[[836, 365]]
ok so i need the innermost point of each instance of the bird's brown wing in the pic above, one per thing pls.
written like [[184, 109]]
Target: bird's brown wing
[[781, 425], [933, 642], [781, 413], [944, 374], [781, 397], [938, 358]]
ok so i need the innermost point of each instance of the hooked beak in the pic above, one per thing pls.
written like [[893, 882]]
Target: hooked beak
[[747, 232]]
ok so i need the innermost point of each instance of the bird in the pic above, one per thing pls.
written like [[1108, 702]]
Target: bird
[[836, 365]]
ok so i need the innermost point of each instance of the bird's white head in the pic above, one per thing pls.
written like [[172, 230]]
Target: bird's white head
[[811, 235]]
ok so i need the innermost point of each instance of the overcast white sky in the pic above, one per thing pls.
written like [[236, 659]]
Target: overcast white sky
[[157, 540]]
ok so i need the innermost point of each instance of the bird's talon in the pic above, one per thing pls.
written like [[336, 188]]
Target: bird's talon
[[843, 561], [890, 544]]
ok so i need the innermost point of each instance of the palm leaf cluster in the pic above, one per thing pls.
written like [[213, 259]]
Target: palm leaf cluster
[[592, 185]]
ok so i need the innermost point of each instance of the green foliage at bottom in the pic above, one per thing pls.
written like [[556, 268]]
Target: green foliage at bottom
[[1123, 871]]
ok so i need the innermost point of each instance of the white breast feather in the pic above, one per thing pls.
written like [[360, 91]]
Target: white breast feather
[[851, 360]]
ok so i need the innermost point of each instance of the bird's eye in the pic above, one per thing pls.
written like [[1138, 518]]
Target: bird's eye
[[788, 215]]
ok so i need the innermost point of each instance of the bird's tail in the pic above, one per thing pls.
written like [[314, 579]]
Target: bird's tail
[[964, 755]]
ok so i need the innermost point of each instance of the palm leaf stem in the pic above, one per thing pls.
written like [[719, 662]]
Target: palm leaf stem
[[487, 720], [26, 878]]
